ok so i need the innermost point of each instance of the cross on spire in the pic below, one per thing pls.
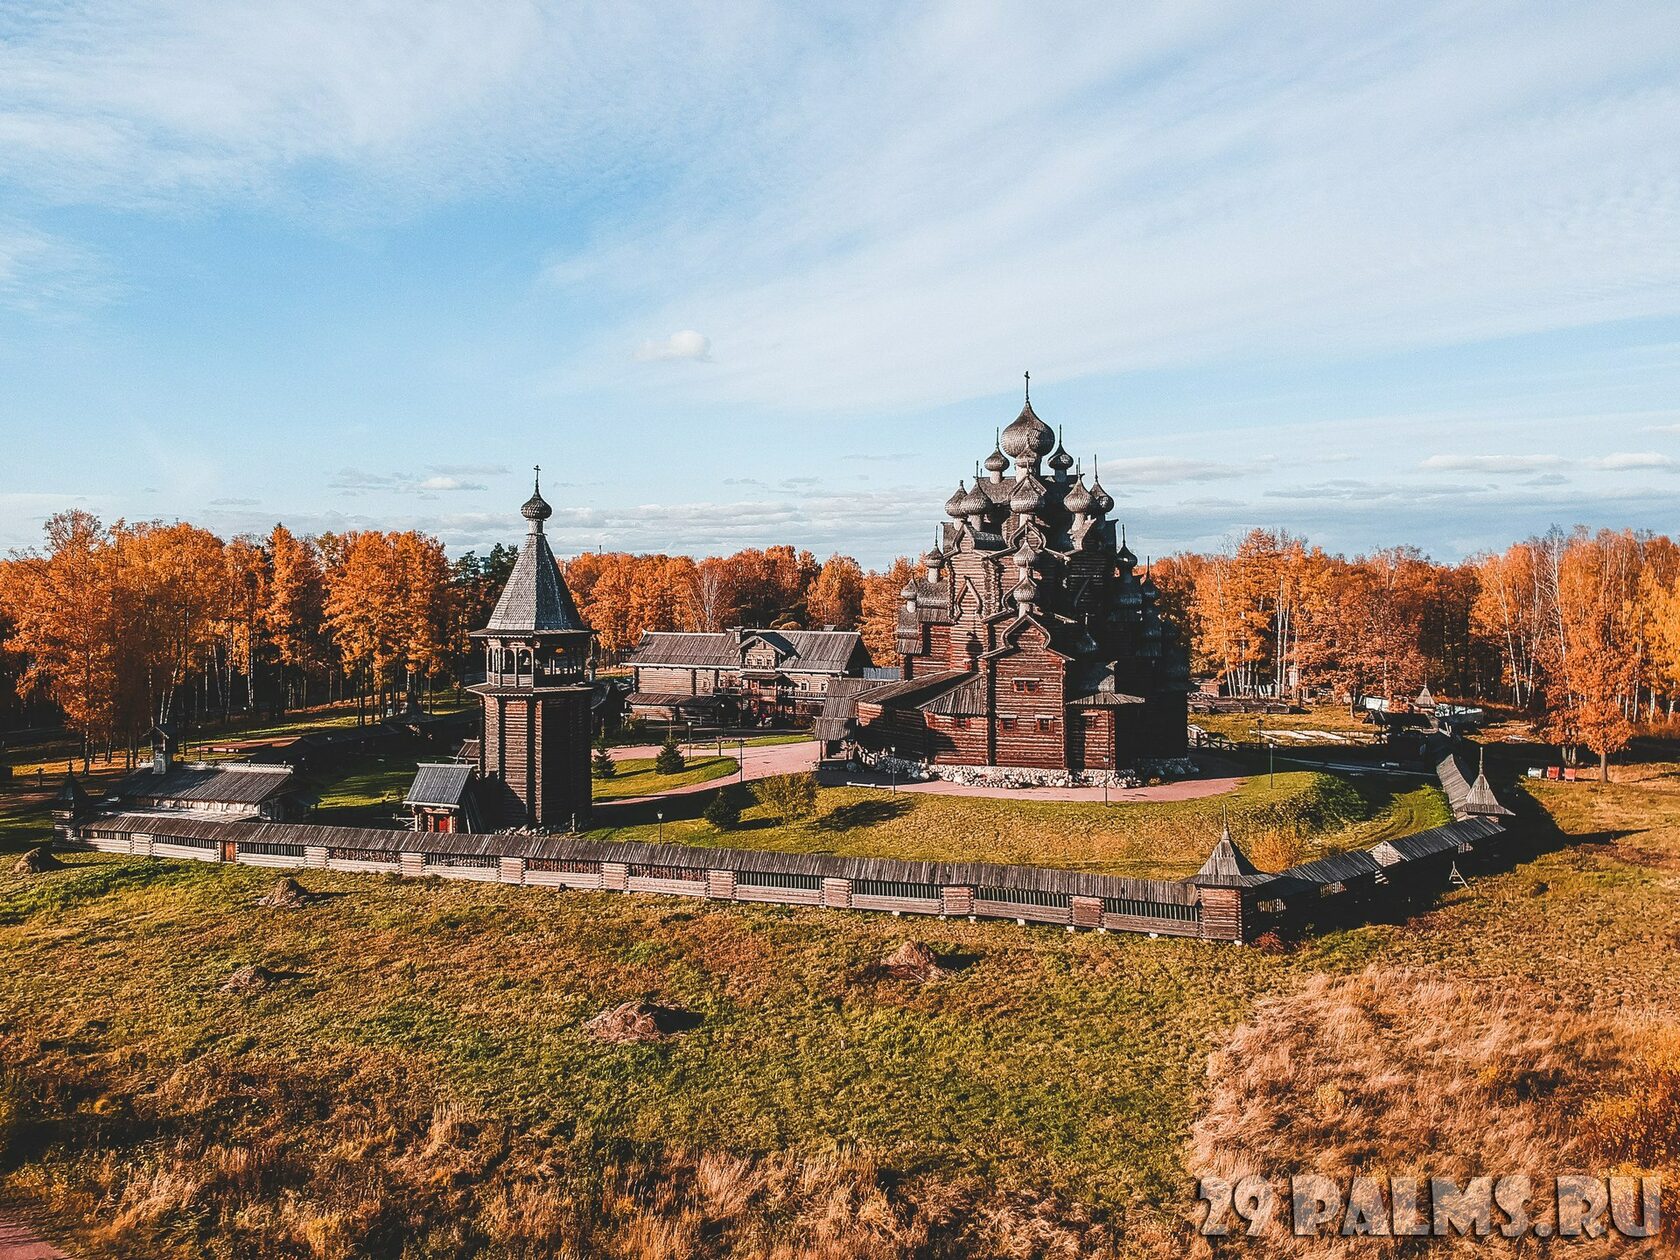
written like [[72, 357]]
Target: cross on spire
[[536, 481], [1028, 376]]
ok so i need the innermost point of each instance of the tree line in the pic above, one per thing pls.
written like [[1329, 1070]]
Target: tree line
[[1579, 630], [114, 628]]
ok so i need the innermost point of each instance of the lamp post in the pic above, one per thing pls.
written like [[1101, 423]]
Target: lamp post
[[741, 760], [661, 816]]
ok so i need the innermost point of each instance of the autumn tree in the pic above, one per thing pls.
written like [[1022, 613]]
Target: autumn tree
[[294, 617], [386, 605], [61, 606], [882, 598], [836, 597]]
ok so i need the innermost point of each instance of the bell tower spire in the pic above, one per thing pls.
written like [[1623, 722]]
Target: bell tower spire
[[538, 671]]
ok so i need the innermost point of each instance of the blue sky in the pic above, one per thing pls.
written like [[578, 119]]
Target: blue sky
[[746, 274]]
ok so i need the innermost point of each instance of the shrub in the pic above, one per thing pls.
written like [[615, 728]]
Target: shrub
[[670, 758], [787, 796], [602, 763], [723, 811]]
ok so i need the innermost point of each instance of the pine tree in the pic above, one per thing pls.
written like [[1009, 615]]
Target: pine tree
[[723, 811], [603, 759], [670, 759]]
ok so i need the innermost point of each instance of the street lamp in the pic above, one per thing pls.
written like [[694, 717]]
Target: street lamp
[[741, 760], [661, 816]]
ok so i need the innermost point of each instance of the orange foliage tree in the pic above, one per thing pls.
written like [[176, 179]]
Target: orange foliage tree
[[882, 595]]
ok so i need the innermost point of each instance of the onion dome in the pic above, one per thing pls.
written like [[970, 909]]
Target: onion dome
[[954, 505], [1125, 556], [1077, 499], [1028, 439], [975, 501], [1101, 500], [935, 558], [997, 461], [1061, 461], [1028, 496], [908, 594], [1026, 591], [1024, 556], [536, 509]]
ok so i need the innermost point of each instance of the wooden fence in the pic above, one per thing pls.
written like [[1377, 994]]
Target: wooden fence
[[1199, 907]]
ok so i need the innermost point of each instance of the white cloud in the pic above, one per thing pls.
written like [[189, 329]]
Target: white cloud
[[1621, 461], [448, 483], [1165, 470], [686, 344], [1491, 463]]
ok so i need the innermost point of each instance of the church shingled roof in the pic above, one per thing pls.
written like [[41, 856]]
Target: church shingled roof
[[535, 599]]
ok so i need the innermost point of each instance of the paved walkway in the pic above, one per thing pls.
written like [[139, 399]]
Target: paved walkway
[[756, 763], [1217, 776]]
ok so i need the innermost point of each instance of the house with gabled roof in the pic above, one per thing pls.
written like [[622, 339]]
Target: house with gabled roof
[[741, 673]]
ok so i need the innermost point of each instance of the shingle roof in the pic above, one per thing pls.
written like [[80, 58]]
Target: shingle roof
[[839, 708], [535, 599], [1228, 867], [442, 785], [913, 692], [671, 700], [1337, 868], [800, 651], [212, 785]]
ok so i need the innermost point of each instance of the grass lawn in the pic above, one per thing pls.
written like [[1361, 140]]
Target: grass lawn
[[418, 1082], [55, 753], [1302, 815], [1325, 717], [636, 776], [366, 792]]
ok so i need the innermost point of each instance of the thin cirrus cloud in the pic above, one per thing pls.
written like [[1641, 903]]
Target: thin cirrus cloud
[[870, 229], [1620, 461]]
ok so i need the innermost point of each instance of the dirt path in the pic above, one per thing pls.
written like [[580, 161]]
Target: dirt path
[[19, 1242]]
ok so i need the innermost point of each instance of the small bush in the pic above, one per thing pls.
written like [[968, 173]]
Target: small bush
[[670, 758], [723, 811], [788, 797]]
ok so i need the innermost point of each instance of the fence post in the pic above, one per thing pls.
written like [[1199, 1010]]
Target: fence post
[[512, 870], [315, 855], [837, 894], [615, 876], [413, 864], [720, 885], [956, 899]]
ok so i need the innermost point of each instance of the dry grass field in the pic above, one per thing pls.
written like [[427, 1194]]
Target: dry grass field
[[415, 1079]]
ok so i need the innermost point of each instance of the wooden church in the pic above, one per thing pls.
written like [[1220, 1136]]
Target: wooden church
[[1033, 640], [530, 766]]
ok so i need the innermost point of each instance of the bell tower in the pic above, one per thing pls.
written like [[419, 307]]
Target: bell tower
[[534, 754]]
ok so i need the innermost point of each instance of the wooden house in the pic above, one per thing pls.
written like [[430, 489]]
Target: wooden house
[[228, 790], [760, 675]]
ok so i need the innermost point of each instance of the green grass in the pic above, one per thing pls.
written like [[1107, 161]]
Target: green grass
[[636, 776], [1312, 810], [366, 792], [1054, 1067]]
